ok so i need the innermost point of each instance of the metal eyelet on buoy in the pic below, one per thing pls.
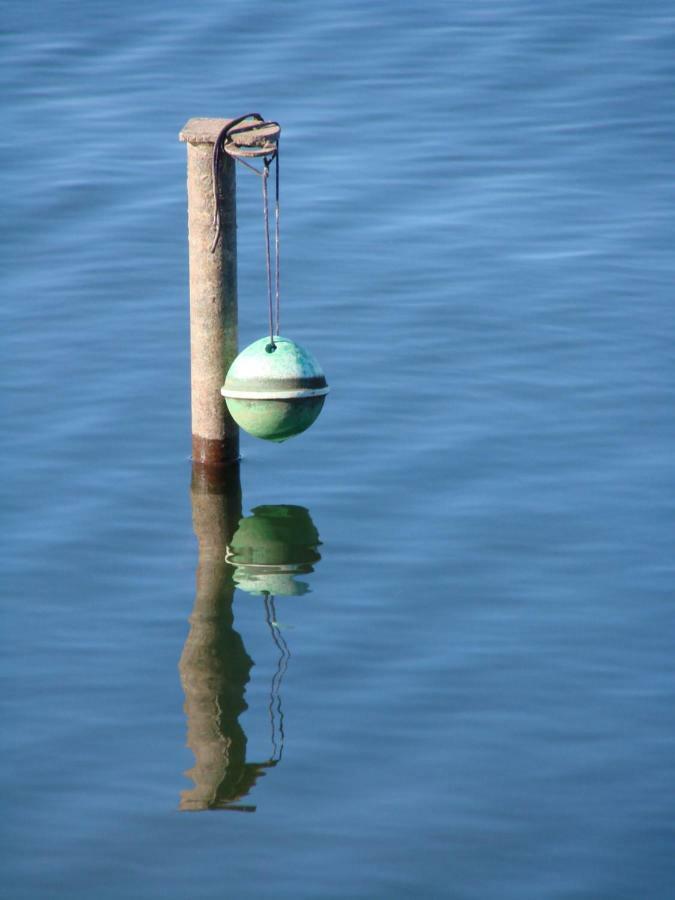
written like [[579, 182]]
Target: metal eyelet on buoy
[[275, 389]]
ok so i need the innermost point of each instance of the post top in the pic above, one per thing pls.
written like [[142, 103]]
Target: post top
[[202, 131], [251, 135]]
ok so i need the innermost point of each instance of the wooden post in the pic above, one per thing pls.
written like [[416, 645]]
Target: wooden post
[[213, 294]]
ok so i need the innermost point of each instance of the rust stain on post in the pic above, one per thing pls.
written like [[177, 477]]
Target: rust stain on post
[[213, 295]]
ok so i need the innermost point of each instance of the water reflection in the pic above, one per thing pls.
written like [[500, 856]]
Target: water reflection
[[262, 554], [271, 547]]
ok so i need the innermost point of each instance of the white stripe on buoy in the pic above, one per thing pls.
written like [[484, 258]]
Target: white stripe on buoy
[[274, 395]]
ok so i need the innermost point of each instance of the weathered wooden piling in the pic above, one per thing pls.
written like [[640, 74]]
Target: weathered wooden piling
[[213, 294]]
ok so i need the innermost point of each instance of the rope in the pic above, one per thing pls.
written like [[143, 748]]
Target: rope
[[266, 220], [218, 150], [225, 144], [277, 244]]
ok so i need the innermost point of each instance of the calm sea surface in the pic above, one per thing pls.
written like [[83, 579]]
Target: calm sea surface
[[465, 685]]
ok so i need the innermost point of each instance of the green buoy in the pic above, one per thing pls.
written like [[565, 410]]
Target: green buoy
[[275, 389]]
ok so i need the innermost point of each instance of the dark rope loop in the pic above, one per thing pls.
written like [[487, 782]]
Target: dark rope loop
[[218, 150]]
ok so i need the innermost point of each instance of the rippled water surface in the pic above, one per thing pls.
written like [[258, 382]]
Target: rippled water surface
[[464, 685]]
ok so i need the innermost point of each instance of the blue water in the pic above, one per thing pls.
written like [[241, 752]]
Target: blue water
[[478, 234]]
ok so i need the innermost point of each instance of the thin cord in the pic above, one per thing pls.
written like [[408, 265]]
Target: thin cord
[[268, 261], [219, 148], [277, 244]]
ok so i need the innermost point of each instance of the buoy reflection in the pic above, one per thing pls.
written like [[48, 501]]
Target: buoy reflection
[[262, 554], [271, 547]]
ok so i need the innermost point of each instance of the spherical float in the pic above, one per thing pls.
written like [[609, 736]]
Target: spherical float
[[275, 389], [271, 547]]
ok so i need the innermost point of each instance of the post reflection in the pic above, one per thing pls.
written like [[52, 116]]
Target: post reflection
[[262, 554]]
